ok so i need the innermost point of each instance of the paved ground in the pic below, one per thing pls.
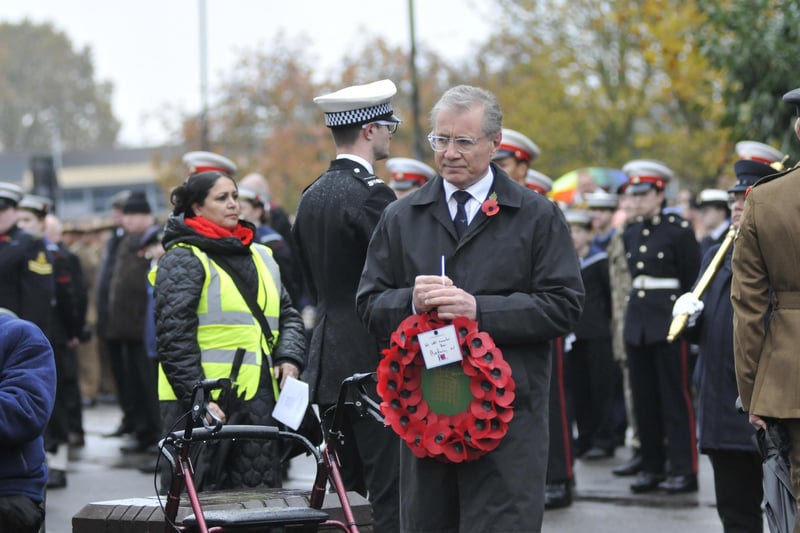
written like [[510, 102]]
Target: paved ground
[[99, 472]]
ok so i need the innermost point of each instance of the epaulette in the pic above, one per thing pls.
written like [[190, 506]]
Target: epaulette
[[369, 180], [767, 179]]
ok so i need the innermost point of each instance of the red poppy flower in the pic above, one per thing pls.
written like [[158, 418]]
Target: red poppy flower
[[455, 449], [490, 207]]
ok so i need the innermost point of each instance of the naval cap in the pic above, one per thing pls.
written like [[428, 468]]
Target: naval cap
[[518, 146], [358, 104], [748, 172], [601, 199], [578, 217], [712, 197], [39, 205], [407, 173], [757, 151], [538, 182], [644, 174], [10, 194], [202, 161], [793, 97]]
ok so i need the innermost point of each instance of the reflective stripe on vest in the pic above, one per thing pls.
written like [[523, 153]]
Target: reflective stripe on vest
[[225, 322]]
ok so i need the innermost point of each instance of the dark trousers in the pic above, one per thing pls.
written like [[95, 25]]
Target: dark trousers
[[663, 407], [63, 418], [590, 381], [20, 514], [738, 486], [370, 462], [559, 457], [137, 389]]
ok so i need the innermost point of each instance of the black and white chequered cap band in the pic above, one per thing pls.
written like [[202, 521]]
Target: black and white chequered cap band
[[355, 117]]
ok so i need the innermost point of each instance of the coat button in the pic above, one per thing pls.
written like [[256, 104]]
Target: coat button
[[628, 255], [660, 255], [672, 297], [640, 294], [645, 232], [643, 248], [640, 265]]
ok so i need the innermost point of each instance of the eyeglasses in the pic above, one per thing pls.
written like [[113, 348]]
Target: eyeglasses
[[391, 126], [464, 145]]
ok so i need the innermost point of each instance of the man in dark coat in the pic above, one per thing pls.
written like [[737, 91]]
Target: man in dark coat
[[514, 272], [335, 220], [724, 433]]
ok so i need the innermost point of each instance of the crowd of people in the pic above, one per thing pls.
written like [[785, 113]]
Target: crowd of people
[[579, 294]]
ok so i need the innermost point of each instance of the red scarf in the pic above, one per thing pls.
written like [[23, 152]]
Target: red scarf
[[205, 227]]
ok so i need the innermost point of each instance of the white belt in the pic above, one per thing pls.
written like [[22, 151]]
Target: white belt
[[651, 283]]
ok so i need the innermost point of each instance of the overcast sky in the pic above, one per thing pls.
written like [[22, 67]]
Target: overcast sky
[[149, 48]]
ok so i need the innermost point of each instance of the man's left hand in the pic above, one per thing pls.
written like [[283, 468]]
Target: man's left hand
[[758, 422], [451, 302], [284, 370]]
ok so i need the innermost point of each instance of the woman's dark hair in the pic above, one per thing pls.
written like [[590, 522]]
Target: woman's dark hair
[[194, 191]]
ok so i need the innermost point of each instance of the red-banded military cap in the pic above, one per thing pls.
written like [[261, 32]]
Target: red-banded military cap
[[407, 173], [518, 146], [646, 174], [757, 151], [10, 194], [538, 182], [39, 205], [201, 161]]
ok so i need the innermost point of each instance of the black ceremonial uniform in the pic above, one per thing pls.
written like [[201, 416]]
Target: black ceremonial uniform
[[663, 258], [335, 220], [26, 277]]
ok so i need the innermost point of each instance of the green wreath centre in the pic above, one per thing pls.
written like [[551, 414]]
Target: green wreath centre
[[446, 389]]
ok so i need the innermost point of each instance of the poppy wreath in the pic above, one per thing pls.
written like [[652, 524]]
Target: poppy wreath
[[464, 436]]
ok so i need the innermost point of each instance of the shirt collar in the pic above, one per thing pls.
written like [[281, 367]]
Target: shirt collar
[[478, 190], [717, 232], [360, 160]]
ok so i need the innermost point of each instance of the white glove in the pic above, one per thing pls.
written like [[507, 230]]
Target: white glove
[[688, 304], [569, 339]]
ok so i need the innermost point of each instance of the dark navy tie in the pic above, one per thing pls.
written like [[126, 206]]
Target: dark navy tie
[[462, 197]]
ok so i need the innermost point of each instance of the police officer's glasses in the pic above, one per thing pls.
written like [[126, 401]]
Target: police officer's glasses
[[464, 145], [391, 126]]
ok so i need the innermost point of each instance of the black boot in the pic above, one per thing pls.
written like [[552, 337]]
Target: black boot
[[557, 495], [631, 467]]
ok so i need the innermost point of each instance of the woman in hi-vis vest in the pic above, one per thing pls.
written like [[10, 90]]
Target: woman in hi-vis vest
[[207, 286]]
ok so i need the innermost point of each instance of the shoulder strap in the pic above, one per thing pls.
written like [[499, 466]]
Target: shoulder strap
[[249, 297]]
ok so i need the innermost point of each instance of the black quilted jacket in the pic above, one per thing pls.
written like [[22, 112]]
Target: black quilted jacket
[[179, 282]]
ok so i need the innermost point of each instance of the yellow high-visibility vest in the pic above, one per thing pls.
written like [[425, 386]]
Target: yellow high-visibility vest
[[226, 323]]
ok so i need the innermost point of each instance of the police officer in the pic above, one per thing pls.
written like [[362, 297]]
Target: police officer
[[335, 220], [26, 275], [663, 258], [515, 155]]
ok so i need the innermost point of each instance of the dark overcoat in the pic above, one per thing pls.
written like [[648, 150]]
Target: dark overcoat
[[335, 220], [523, 271], [720, 425]]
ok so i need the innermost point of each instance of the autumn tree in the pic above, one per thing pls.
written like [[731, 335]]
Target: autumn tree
[[630, 81], [756, 44], [48, 89]]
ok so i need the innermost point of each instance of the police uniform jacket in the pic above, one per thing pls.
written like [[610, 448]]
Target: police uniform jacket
[[335, 220], [659, 248], [720, 425], [26, 277], [765, 257], [523, 271]]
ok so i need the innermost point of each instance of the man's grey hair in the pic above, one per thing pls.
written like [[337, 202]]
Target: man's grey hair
[[462, 98]]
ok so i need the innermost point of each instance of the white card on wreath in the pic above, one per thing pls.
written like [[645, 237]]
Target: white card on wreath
[[292, 403], [439, 347]]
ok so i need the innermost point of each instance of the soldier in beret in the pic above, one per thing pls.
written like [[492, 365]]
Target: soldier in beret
[[663, 258], [335, 220], [27, 286], [765, 257]]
